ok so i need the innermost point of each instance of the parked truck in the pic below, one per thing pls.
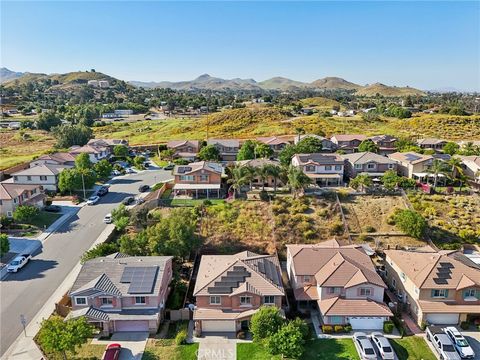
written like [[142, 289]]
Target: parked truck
[[442, 343], [19, 262]]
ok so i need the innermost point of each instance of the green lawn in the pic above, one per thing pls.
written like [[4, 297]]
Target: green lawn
[[326, 349], [193, 202], [87, 351], [254, 351], [43, 219], [412, 348], [167, 349]]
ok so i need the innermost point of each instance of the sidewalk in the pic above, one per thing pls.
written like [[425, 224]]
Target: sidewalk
[[24, 348]]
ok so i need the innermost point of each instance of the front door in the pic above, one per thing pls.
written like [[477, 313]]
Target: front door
[[245, 325]]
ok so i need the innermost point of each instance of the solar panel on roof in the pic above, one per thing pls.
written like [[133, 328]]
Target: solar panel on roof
[[440, 281], [141, 279], [447, 265], [412, 157], [261, 267]]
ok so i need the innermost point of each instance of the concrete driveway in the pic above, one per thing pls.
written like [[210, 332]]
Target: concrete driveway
[[217, 348], [133, 344]]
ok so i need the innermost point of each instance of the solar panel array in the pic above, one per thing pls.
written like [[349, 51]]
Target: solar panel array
[[412, 157], [444, 272], [184, 169], [231, 280], [141, 278]]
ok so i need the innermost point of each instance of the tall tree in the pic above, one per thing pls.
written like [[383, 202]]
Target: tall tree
[[275, 172], [297, 180], [4, 244], [120, 151], [82, 161], [48, 120], [238, 177], [69, 135], [246, 151], [368, 145], [209, 153], [262, 173], [263, 151], [437, 169]]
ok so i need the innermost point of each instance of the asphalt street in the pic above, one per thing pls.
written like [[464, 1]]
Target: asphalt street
[[25, 292]]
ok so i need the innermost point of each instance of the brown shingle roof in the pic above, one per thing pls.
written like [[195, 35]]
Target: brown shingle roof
[[9, 190], [318, 159]]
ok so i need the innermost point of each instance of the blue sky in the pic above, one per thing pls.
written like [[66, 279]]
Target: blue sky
[[423, 44]]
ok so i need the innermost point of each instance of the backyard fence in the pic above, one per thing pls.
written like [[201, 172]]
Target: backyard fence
[[181, 314]]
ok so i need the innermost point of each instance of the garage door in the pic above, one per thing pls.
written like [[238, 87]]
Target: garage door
[[218, 325], [442, 319], [371, 323], [137, 325]]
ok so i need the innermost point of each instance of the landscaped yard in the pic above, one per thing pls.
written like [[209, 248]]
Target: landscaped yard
[[193, 202], [254, 351], [87, 351], [160, 349], [412, 348], [44, 219], [327, 349]]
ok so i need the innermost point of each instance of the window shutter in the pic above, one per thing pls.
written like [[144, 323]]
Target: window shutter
[[432, 293], [446, 293]]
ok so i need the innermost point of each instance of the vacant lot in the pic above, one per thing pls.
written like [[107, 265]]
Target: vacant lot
[[454, 219]]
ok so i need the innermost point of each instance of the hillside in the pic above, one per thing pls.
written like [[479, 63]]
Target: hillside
[[320, 102], [6, 75], [281, 83], [385, 90], [334, 83]]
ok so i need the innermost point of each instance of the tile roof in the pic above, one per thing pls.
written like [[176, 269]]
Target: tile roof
[[224, 142], [10, 190], [410, 157], [379, 138], [219, 314], [424, 269], [88, 149], [172, 144], [349, 137], [308, 292], [273, 140], [229, 274], [367, 157], [318, 159], [60, 157], [445, 307], [339, 306], [430, 141], [257, 162], [107, 142], [44, 169], [195, 166]]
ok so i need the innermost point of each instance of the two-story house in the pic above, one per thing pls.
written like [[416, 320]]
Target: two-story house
[[327, 144], [341, 281], [276, 143], [110, 143], [471, 167], [203, 178], [386, 144], [367, 163], [412, 164], [431, 144], [228, 148], [45, 175], [184, 149], [122, 293], [436, 287], [13, 195], [348, 143], [257, 181], [95, 152], [229, 289], [323, 169], [64, 159]]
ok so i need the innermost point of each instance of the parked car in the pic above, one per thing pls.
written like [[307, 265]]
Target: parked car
[[128, 200], [383, 345], [139, 200], [19, 262], [460, 343], [92, 200], [102, 191], [442, 343], [116, 173], [129, 171], [365, 346], [112, 352], [143, 188], [52, 208], [108, 219], [146, 164], [169, 167]]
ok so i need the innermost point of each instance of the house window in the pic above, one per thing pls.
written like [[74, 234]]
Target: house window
[[269, 299], [106, 301], [81, 301], [43, 178], [215, 300], [439, 293], [365, 292], [140, 300], [469, 294], [187, 177], [338, 167], [245, 300], [309, 168], [394, 283], [306, 278], [203, 178], [358, 166], [391, 166], [333, 290], [417, 291], [328, 167], [336, 320], [1, 202], [29, 178], [9, 214], [371, 166]]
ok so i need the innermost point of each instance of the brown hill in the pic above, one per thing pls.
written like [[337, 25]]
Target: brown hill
[[385, 90]]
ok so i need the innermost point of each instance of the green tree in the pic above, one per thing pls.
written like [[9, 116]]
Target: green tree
[[265, 322], [286, 154], [68, 181], [263, 173], [103, 168], [99, 250], [263, 151], [246, 151], [371, 116], [390, 179], [361, 181], [138, 162], [309, 145], [25, 212], [121, 223], [4, 244], [82, 161], [119, 212], [48, 120], [59, 336], [411, 223], [136, 245], [297, 180], [289, 341], [238, 176], [368, 145], [120, 151], [209, 153], [70, 135], [451, 148], [275, 172], [167, 154], [438, 167]]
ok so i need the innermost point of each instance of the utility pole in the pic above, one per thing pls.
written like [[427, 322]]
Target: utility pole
[[83, 184]]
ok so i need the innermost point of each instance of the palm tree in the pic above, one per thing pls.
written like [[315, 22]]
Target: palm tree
[[250, 172], [262, 173], [275, 172], [297, 180], [437, 168], [362, 180], [237, 179], [456, 170]]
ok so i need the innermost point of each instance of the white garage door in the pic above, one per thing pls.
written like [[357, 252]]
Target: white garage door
[[136, 325], [371, 323], [218, 325], [442, 319]]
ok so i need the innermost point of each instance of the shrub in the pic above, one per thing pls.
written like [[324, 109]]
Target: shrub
[[327, 329], [347, 328], [25, 212], [464, 325], [411, 223], [338, 328], [181, 337], [336, 228], [388, 327], [264, 196], [265, 322], [370, 229], [206, 202]]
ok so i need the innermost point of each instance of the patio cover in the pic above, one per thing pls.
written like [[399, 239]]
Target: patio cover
[[424, 174], [324, 176], [196, 187]]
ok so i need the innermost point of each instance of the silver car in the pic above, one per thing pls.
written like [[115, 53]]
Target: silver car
[[383, 346], [365, 346]]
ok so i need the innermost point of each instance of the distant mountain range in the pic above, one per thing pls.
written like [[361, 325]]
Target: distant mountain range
[[207, 82]]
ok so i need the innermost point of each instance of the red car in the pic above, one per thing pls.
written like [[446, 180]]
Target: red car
[[112, 352]]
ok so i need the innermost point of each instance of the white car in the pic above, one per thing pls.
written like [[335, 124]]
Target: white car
[[19, 262], [92, 200], [460, 343], [365, 347], [108, 219], [116, 173], [129, 171], [383, 345]]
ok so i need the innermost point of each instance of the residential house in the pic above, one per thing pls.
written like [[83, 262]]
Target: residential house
[[123, 112], [431, 143], [327, 145], [228, 148], [110, 143], [65, 159], [257, 181], [471, 167], [436, 288], [119, 292], [386, 144], [340, 281], [229, 289], [13, 195], [196, 179], [95, 152], [323, 169], [414, 165], [276, 143], [184, 149], [348, 143], [367, 163], [45, 175]]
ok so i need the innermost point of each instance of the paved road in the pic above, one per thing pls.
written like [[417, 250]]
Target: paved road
[[26, 291]]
